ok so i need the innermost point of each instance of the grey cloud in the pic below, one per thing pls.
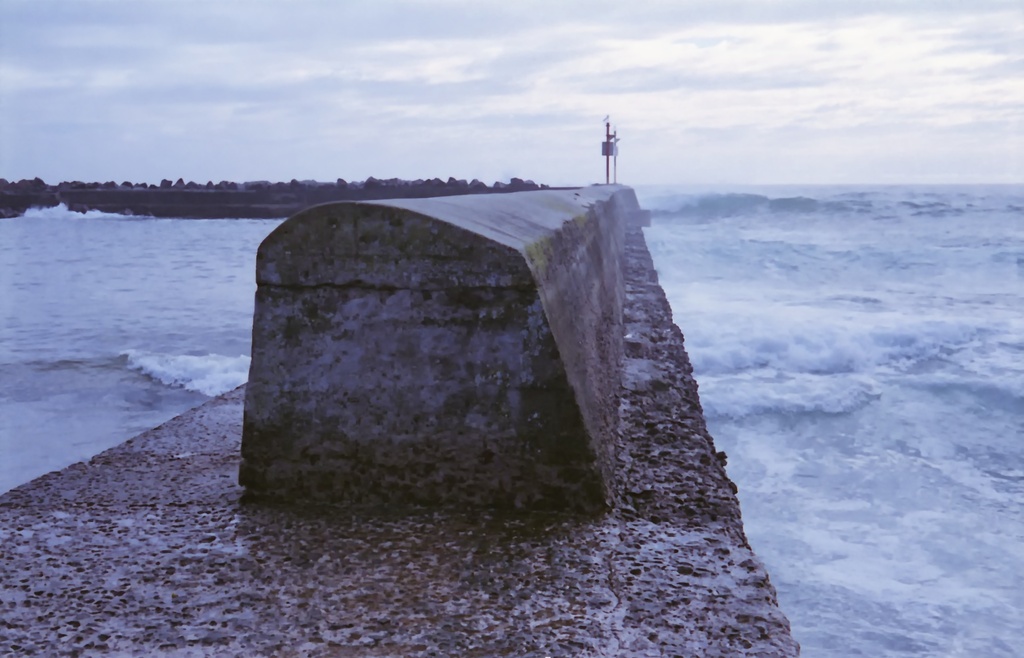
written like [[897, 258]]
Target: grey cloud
[[224, 122], [312, 90], [969, 38], [304, 21], [76, 33], [1005, 45], [652, 80], [1009, 71], [267, 24]]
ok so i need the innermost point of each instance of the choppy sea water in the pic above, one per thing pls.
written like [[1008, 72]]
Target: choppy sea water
[[860, 355], [111, 325]]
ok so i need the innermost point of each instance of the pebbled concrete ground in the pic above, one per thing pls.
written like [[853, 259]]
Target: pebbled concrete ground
[[146, 550]]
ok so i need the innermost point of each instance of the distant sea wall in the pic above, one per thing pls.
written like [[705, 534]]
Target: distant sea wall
[[253, 199]]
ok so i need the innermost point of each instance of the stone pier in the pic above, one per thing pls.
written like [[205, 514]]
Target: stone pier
[[152, 548], [461, 350]]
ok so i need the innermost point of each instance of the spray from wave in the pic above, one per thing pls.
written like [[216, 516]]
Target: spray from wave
[[211, 374], [61, 211], [923, 202], [859, 356]]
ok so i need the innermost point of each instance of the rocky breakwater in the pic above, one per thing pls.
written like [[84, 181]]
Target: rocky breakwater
[[253, 199], [149, 549]]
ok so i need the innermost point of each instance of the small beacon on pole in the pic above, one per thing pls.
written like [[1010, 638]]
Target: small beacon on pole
[[610, 149]]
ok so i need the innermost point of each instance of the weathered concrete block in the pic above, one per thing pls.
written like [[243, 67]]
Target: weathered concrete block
[[457, 350]]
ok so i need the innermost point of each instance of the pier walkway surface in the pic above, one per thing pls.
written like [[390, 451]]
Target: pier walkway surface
[[148, 549]]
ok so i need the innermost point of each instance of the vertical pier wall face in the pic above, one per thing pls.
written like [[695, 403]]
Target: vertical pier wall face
[[578, 270], [451, 350]]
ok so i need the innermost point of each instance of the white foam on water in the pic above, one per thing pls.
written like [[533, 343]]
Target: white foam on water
[[210, 374], [860, 357], [820, 341], [769, 391], [80, 289], [61, 212]]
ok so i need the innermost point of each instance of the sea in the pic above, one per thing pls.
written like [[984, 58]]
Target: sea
[[859, 351]]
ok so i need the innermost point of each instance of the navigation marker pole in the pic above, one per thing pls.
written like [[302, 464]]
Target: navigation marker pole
[[615, 156], [610, 149]]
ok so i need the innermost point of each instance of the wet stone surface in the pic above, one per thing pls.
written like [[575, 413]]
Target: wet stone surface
[[147, 550]]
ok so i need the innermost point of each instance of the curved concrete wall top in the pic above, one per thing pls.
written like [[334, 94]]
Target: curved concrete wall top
[[517, 220], [455, 349]]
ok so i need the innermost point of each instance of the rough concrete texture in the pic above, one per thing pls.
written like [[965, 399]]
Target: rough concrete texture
[[146, 550], [453, 350]]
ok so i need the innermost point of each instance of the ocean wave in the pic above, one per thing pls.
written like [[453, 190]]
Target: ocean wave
[[211, 374], [993, 391], [745, 395], [731, 205], [823, 349], [61, 211], [822, 202]]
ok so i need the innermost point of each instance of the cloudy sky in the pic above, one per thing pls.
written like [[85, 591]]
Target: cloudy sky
[[701, 91]]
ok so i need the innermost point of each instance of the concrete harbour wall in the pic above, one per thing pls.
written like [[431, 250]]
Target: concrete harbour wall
[[150, 548], [453, 350]]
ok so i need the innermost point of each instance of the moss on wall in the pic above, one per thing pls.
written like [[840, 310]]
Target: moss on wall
[[539, 254]]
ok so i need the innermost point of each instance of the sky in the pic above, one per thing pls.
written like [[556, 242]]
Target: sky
[[700, 91]]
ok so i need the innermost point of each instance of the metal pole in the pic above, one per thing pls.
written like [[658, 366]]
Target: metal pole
[[608, 153], [615, 155]]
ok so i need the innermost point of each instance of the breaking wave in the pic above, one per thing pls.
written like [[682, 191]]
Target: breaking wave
[[61, 212], [822, 350], [921, 203], [211, 374]]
